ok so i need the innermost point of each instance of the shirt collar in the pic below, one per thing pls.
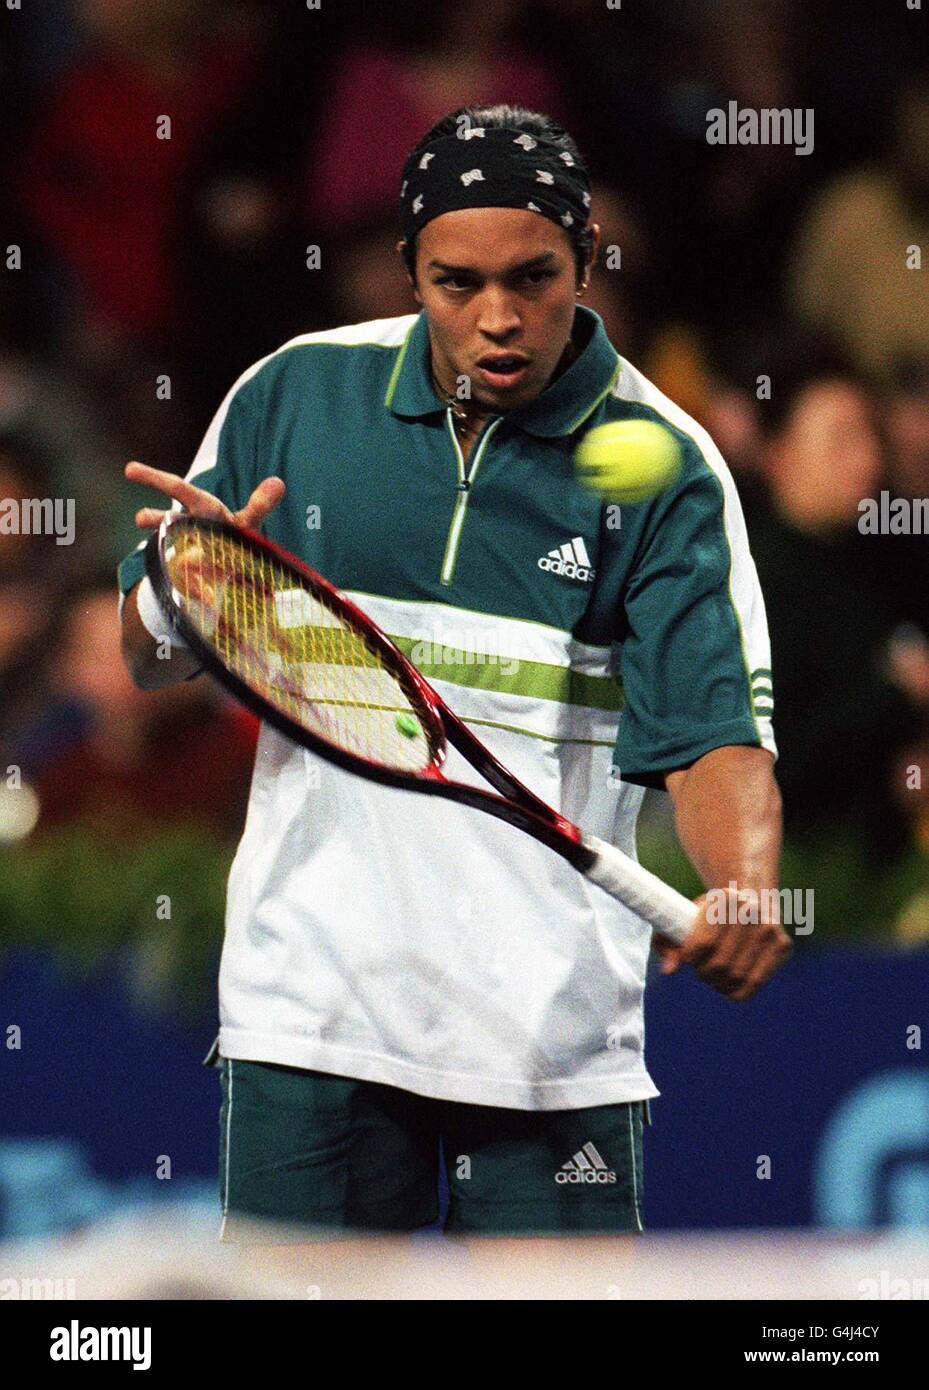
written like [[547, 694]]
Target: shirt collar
[[559, 410]]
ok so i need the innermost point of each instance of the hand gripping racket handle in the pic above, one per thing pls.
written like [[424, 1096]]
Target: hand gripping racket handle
[[663, 907]]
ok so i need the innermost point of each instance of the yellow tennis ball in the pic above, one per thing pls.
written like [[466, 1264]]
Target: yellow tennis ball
[[628, 460]]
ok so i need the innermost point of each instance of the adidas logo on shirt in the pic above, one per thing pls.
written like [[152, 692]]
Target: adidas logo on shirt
[[586, 1166], [570, 559]]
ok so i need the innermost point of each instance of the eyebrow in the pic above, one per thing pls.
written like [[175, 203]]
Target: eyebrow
[[534, 263]]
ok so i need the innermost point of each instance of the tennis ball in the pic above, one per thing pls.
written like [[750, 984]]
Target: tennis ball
[[628, 460], [408, 725]]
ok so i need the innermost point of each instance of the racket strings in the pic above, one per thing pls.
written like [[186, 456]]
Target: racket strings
[[293, 646]]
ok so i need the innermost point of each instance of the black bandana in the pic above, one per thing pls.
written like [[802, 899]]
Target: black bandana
[[492, 168]]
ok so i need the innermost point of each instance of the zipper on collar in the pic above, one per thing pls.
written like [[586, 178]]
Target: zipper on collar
[[466, 476]]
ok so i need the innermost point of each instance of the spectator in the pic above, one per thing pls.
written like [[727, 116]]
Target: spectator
[[33, 574], [428, 57], [45, 409], [903, 559], [244, 265], [734, 205], [844, 703], [368, 279], [850, 275], [97, 184], [180, 755]]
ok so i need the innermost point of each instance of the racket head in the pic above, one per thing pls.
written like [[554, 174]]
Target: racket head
[[296, 650]]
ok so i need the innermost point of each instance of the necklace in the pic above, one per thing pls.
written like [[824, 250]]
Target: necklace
[[460, 417]]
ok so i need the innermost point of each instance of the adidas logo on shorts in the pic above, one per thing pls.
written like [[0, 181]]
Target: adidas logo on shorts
[[571, 560], [586, 1166]]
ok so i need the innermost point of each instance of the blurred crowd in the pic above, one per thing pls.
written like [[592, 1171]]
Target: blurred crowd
[[778, 297]]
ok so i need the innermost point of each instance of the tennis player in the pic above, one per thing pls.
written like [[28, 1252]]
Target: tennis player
[[404, 983]]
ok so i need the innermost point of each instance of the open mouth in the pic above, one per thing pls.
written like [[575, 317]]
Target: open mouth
[[503, 369]]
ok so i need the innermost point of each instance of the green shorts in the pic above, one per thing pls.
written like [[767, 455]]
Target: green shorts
[[331, 1152]]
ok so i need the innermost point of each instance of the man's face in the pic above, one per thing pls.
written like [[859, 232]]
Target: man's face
[[499, 287]]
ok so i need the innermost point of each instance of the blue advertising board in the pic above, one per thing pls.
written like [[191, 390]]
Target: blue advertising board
[[807, 1106]]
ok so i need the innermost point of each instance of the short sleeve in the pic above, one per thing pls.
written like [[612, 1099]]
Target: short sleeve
[[695, 657], [225, 465]]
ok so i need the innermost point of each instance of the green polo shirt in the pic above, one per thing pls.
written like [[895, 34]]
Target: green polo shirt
[[380, 501]]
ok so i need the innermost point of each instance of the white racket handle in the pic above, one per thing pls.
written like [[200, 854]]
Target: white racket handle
[[665, 909]]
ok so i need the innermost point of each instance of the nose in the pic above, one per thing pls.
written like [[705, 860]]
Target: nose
[[498, 316]]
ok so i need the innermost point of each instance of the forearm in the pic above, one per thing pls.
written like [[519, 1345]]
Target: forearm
[[152, 665], [727, 808]]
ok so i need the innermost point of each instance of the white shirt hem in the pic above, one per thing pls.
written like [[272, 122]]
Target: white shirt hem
[[574, 1093]]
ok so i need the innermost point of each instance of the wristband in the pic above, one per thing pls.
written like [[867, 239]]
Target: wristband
[[154, 619]]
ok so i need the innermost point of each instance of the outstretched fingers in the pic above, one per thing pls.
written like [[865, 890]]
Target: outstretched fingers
[[194, 499], [199, 503], [263, 500]]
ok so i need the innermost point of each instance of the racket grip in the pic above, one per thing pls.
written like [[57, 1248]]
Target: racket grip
[[665, 909]]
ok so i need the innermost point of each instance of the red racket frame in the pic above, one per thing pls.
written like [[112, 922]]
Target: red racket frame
[[511, 801]]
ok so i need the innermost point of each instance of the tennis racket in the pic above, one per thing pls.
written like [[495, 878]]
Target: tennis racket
[[307, 660]]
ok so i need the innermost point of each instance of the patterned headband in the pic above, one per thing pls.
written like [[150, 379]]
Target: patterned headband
[[493, 168]]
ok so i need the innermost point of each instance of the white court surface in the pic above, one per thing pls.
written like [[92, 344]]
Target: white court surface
[[176, 1257]]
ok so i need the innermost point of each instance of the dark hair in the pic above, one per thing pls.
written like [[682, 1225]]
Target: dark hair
[[503, 117]]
